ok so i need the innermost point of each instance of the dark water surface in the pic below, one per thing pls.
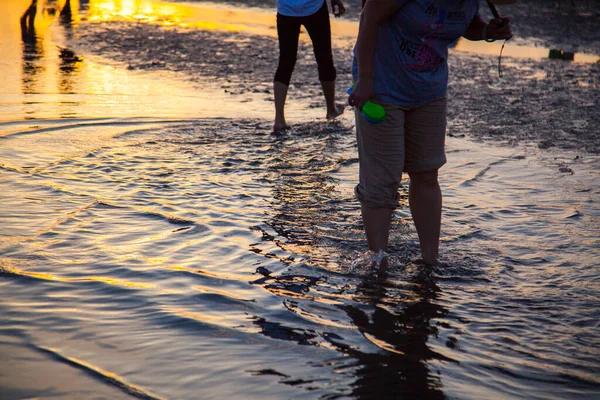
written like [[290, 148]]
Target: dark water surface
[[157, 241]]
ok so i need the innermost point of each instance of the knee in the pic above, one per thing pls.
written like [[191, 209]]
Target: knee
[[327, 73], [377, 196], [285, 68], [284, 74], [326, 68], [428, 178]]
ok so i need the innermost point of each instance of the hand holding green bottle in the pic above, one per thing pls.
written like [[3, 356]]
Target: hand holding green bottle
[[373, 113]]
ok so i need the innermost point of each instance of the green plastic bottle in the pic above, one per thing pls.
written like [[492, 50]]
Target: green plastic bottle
[[373, 113]]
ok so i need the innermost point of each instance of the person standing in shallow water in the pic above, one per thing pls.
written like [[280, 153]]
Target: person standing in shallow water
[[400, 62], [314, 16]]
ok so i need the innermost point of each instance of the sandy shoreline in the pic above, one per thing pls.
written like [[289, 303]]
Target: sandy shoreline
[[543, 23], [549, 103]]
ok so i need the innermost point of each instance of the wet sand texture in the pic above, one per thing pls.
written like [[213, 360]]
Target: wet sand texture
[[550, 103]]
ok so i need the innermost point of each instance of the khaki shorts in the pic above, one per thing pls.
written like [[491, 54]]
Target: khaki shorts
[[410, 140]]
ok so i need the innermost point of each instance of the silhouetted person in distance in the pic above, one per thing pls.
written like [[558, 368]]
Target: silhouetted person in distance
[[314, 16], [66, 14], [28, 23], [32, 48]]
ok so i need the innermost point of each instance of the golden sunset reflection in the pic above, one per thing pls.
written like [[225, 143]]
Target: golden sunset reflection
[[209, 319], [135, 10], [50, 277], [54, 80], [182, 15]]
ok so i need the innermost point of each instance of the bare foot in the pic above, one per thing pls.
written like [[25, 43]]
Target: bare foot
[[336, 112], [280, 126]]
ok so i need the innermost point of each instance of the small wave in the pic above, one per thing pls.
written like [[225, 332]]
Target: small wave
[[483, 171], [97, 373]]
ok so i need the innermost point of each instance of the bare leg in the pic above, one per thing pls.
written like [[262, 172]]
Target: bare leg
[[333, 110], [425, 199], [377, 227], [280, 92]]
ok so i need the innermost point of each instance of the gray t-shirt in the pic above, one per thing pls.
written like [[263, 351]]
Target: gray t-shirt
[[410, 67]]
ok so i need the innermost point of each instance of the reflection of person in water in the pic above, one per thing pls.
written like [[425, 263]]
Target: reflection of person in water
[[70, 63], [400, 328], [27, 22], [66, 14], [32, 48], [34, 58], [400, 371], [67, 56]]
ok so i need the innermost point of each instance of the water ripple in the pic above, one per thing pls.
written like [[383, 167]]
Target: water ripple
[[214, 240]]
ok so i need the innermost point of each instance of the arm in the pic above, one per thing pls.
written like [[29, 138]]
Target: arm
[[497, 28], [373, 14]]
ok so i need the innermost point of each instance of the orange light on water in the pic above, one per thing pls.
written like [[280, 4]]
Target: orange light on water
[[50, 277]]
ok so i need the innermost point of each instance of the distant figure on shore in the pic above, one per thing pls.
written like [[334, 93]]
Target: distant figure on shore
[[314, 16], [401, 63]]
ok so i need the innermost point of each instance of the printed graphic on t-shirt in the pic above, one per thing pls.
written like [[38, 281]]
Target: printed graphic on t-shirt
[[424, 54]]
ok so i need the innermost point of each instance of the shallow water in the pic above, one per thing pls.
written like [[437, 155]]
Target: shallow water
[[153, 246]]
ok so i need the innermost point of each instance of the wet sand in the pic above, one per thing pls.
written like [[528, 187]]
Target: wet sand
[[545, 103]]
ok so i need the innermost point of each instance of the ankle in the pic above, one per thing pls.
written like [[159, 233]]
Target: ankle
[[430, 256]]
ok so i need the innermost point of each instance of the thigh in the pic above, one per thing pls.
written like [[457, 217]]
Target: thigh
[[288, 31], [319, 29], [381, 158], [425, 136]]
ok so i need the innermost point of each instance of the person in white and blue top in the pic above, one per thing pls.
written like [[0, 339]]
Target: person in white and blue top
[[400, 62], [314, 16]]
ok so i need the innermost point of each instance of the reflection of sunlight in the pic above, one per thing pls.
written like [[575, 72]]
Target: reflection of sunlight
[[132, 10], [222, 276], [220, 320], [177, 15], [381, 344], [110, 281]]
